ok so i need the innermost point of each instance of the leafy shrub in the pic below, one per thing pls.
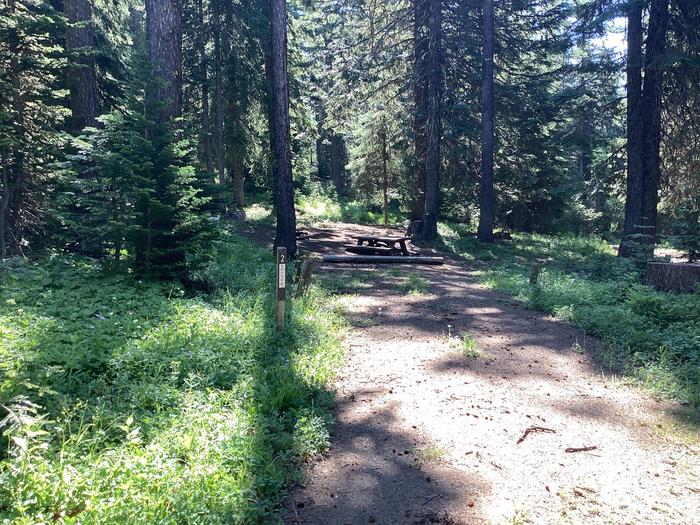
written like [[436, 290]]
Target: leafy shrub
[[130, 403]]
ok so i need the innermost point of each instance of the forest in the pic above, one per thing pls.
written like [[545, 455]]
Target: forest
[[154, 154]]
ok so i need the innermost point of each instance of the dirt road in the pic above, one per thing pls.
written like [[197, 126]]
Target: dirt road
[[443, 379]]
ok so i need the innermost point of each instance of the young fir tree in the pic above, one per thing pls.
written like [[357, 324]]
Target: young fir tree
[[31, 115], [141, 194]]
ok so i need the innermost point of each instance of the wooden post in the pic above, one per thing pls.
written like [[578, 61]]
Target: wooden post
[[281, 285], [304, 279]]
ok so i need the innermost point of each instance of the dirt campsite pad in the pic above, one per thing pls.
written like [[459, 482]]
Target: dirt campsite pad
[[457, 406]]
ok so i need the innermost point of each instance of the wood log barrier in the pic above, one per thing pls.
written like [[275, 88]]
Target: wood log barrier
[[382, 259]]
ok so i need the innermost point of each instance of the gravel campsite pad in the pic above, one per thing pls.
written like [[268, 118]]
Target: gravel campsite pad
[[458, 406]]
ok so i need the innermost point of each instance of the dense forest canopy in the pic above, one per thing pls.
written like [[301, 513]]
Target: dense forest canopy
[[128, 128]]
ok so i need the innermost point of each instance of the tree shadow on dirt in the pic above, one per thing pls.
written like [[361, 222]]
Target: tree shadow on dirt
[[376, 473], [515, 344]]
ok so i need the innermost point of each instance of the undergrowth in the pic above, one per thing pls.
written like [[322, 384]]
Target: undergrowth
[[124, 401], [652, 336], [320, 208]]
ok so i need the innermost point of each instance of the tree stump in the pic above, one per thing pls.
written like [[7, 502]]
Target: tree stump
[[414, 228], [672, 277]]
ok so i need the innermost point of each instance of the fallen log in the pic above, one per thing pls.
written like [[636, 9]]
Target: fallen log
[[672, 277], [381, 259]]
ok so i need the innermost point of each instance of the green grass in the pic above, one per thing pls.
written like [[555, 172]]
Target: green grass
[[423, 456], [465, 344], [469, 348], [318, 207], [413, 284], [259, 213], [349, 282], [123, 401], [322, 208], [652, 336]]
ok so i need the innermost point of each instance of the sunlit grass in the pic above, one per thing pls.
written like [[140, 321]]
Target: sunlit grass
[[465, 344], [258, 213], [413, 284], [318, 208], [426, 455], [127, 402]]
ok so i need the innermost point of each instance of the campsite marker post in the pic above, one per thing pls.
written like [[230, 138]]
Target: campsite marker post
[[281, 285]]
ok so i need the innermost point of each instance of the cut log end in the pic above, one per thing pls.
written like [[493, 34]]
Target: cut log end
[[672, 277]]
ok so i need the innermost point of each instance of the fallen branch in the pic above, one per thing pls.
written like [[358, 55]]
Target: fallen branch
[[431, 498], [535, 429], [581, 449]]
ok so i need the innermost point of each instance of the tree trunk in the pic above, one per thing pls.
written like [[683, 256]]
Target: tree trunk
[[81, 63], [164, 26], [163, 99], [420, 78], [432, 164], [486, 198], [4, 203], [219, 98], [635, 170], [338, 161], [385, 172], [238, 169], [269, 106], [205, 133], [282, 152], [644, 129], [651, 116]]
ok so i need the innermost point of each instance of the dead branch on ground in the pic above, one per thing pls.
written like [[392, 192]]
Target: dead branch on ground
[[535, 429]]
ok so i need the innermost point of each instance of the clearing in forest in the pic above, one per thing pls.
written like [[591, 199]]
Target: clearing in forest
[[456, 405]]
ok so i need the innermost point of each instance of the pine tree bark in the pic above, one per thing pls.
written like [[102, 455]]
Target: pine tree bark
[[486, 197], [163, 102], [282, 152], [220, 147], [385, 170], [433, 128], [643, 128], [269, 105], [238, 169], [81, 63], [205, 132], [164, 26], [338, 160], [651, 116], [635, 168], [420, 79]]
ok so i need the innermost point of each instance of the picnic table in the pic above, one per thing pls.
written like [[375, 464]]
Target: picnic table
[[378, 245]]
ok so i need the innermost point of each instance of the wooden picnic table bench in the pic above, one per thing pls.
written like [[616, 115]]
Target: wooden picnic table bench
[[378, 245]]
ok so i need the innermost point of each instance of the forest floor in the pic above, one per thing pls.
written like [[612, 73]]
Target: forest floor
[[442, 381]]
